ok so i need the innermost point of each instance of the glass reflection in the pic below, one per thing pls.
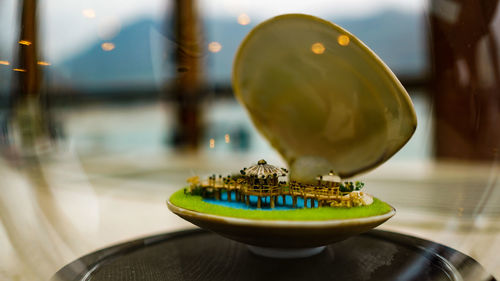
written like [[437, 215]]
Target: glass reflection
[[91, 146]]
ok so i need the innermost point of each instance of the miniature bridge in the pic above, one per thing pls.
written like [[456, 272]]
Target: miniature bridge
[[324, 194]]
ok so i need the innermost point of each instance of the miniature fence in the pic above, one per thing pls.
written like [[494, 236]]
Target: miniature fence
[[325, 193]]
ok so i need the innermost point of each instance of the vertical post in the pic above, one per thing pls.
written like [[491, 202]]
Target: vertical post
[[28, 80], [466, 80], [188, 85], [29, 110]]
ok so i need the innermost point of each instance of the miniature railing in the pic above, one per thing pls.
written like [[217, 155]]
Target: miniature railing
[[323, 193], [261, 190]]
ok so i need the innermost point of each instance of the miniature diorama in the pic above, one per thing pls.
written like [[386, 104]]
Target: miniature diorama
[[265, 183], [333, 110]]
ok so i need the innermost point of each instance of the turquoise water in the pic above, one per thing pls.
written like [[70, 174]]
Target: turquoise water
[[253, 203]]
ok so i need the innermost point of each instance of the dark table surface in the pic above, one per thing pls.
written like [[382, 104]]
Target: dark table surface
[[201, 255]]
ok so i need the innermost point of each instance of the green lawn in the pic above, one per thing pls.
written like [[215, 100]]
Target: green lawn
[[196, 203]]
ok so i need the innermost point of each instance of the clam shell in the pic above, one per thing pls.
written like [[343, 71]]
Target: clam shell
[[322, 98]]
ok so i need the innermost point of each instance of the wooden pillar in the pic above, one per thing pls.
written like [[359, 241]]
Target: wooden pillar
[[294, 201], [247, 199], [465, 80], [272, 202], [228, 195], [28, 104], [187, 87], [28, 80], [259, 203], [283, 197]]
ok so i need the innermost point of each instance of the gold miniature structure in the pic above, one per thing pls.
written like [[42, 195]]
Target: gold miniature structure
[[264, 181]]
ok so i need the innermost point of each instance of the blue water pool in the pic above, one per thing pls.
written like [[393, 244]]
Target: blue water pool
[[253, 203]]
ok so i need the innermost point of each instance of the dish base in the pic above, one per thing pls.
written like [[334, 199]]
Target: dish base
[[282, 234], [279, 253]]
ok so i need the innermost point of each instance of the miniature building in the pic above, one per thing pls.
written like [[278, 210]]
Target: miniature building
[[262, 180], [263, 174], [330, 180]]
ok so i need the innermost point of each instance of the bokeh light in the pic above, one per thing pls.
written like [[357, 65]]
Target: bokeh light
[[318, 48], [343, 40], [88, 13], [243, 19], [107, 46], [25, 42], [214, 47]]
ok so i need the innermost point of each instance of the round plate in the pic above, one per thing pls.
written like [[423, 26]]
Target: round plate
[[280, 233], [200, 255]]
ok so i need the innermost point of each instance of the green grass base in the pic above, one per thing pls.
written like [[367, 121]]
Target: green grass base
[[196, 203]]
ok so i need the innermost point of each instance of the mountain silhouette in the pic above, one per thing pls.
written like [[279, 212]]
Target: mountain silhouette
[[130, 60], [143, 50]]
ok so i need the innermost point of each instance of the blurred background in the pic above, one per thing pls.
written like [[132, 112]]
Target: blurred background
[[106, 107]]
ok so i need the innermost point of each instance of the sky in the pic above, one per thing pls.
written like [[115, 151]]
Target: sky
[[69, 26]]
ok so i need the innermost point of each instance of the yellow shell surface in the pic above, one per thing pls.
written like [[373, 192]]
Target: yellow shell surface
[[322, 98]]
